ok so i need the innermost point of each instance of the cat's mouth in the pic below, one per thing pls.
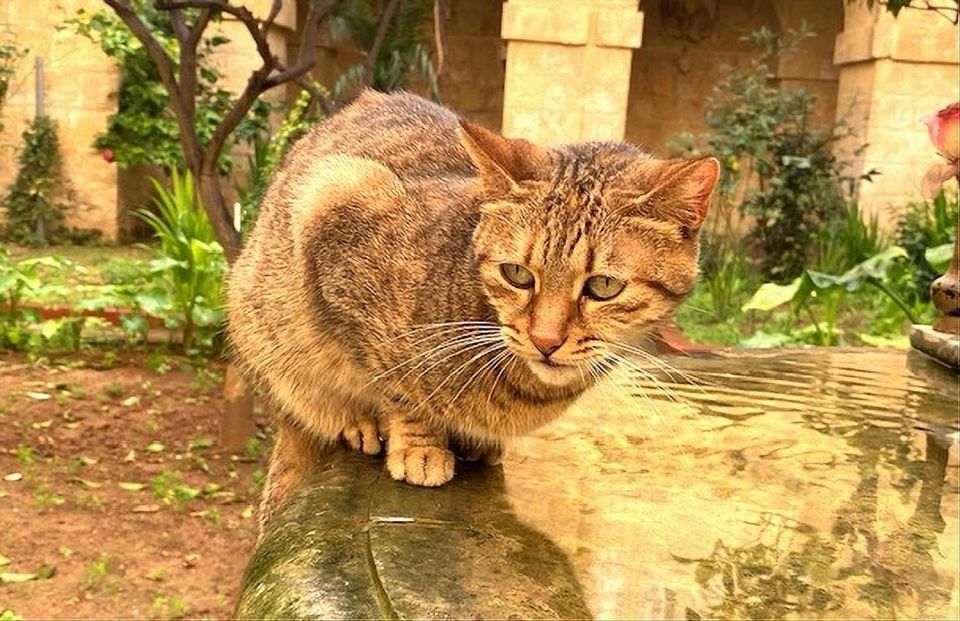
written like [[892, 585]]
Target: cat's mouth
[[552, 372], [553, 364]]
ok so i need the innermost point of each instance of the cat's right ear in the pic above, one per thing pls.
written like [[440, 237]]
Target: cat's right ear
[[502, 163]]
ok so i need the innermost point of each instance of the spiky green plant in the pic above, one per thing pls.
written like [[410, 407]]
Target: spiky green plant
[[402, 58], [188, 259]]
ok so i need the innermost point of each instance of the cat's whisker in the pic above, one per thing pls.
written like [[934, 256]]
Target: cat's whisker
[[443, 326], [455, 373], [479, 342], [668, 368], [425, 356], [605, 384], [446, 331], [630, 366], [500, 374], [490, 364]]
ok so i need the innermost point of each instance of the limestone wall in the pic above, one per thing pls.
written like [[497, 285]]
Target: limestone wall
[[553, 71], [685, 53], [893, 72], [472, 83], [79, 80]]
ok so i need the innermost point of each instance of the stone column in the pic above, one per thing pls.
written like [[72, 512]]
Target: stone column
[[568, 68], [893, 72]]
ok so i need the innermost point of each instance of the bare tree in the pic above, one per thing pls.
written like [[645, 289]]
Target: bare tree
[[180, 79], [190, 19]]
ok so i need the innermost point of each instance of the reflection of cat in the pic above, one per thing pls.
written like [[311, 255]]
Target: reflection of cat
[[411, 270]]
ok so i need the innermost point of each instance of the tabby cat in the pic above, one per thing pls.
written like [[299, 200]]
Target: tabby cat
[[418, 280]]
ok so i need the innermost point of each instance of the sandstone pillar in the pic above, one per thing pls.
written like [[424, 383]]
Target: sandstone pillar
[[568, 68], [893, 72]]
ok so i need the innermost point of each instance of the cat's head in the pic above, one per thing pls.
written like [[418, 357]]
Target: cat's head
[[582, 245]]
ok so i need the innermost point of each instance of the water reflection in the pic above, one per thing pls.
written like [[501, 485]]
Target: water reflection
[[793, 485], [819, 484]]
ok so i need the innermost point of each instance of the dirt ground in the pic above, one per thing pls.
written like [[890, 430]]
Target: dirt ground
[[113, 500]]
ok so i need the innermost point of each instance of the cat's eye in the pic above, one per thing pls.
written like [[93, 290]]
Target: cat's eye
[[603, 287], [517, 275]]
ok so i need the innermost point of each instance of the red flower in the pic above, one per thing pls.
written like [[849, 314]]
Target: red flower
[[107, 155], [944, 128]]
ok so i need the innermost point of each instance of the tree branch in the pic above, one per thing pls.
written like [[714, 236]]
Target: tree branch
[[379, 38], [189, 38], [440, 35], [164, 66]]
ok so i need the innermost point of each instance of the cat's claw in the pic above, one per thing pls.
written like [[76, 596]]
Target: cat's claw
[[362, 436], [428, 466]]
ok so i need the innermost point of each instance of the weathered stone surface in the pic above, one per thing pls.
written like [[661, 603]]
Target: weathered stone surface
[[942, 346], [762, 485]]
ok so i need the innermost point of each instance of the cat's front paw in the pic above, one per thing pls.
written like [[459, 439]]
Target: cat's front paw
[[362, 436], [428, 466]]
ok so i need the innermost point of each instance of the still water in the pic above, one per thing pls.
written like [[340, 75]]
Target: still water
[[810, 484]]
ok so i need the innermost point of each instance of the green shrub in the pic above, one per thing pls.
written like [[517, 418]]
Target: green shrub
[[10, 55], [924, 225], [820, 297], [778, 170], [848, 239], [144, 130], [188, 266], [35, 202], [402, 57]]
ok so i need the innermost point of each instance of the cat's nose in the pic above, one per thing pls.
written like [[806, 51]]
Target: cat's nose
[[547, 343]]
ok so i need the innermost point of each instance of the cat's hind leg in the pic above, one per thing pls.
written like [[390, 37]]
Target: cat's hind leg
[[295, 452], [417, 452]]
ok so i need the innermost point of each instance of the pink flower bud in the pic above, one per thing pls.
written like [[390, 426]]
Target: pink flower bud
[[107, 155], [944, 128]]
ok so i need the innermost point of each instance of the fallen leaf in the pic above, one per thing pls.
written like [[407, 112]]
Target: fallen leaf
[[65, 552], [46, 571], [131, 456], [225, 497], [131, 487], [88, 461], [13, 577], [130, 401], [190, 560], [247, 513], [146, 508], [42, 425], [201, 443], [39, 396], [155, 447], [13, 476], [4, 560], [85, 483]]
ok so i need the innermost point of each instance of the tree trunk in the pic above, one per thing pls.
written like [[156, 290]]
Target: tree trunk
[[220, 217], [236, 424]]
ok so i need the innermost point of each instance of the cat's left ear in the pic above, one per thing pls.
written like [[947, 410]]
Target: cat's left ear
[[675, 190], [502, 163]]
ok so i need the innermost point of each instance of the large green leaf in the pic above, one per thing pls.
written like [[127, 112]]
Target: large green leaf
[[154, 302], [771, 295], [939, 256]]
